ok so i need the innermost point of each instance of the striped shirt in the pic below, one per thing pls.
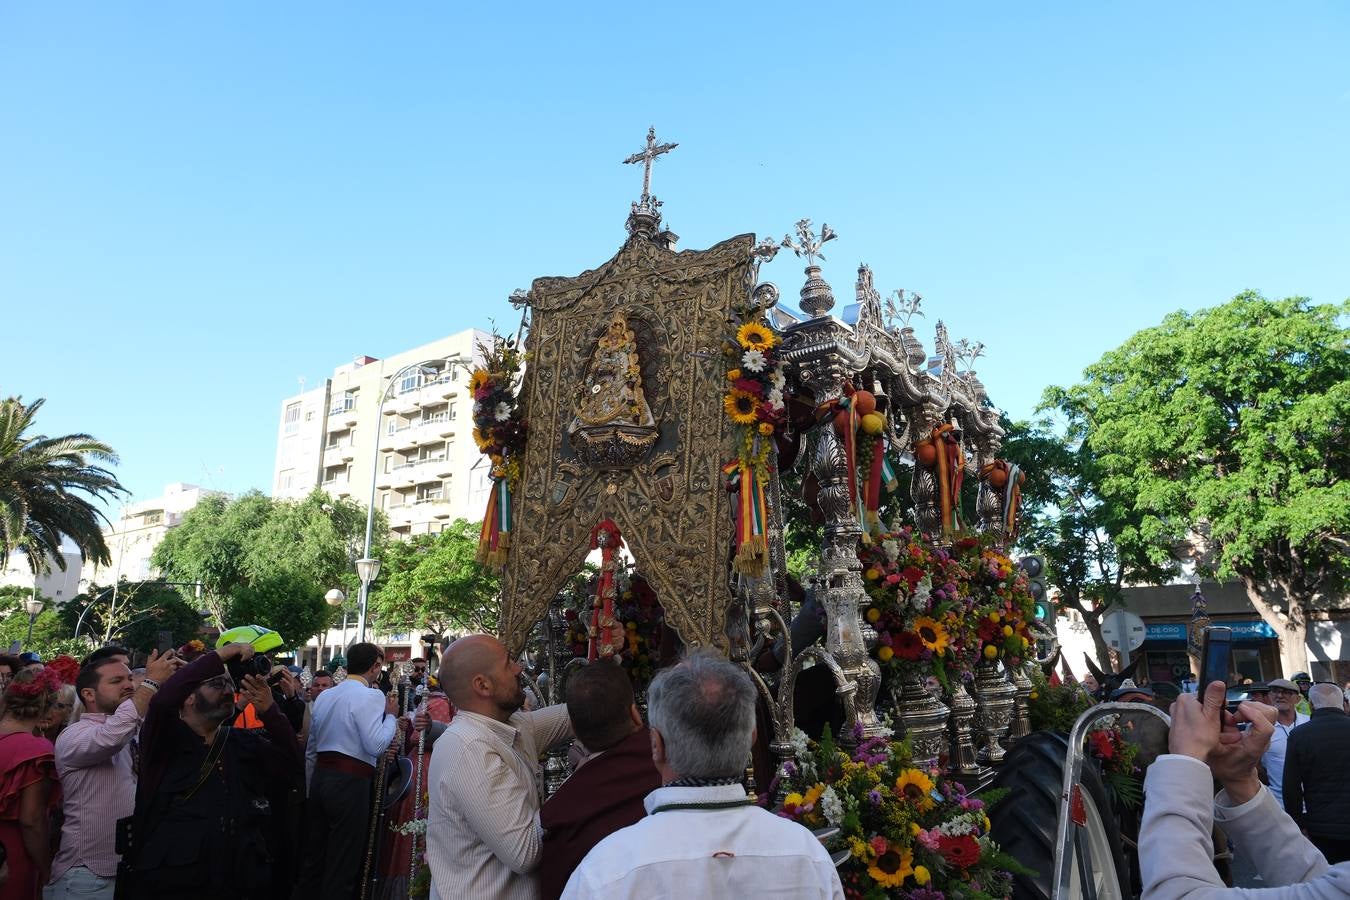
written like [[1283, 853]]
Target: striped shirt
[[98, 787], [484, 791]]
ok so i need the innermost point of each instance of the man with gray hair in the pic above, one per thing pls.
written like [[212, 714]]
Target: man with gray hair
[[703, 837], [1316, 785]]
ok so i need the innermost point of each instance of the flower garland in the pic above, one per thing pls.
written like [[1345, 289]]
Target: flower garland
[[910, 833], [939, 611], [1119, 759], [499, 432], [756, 406]]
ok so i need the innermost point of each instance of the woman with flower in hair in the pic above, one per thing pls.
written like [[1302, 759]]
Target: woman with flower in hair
[[29, 790]]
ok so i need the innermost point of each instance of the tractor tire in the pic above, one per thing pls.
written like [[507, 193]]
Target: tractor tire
[[1024, 821]]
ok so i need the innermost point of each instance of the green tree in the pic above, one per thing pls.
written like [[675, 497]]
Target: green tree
[[1224, 433], [255, 550], [434, 583], [48, 490], [211, 546], [289, 603], [1065, 519], [135, 617]]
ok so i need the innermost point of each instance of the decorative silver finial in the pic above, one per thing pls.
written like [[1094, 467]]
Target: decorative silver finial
[[901, 307], [647, 155], [765, 250], [810, 245], [967, 353]]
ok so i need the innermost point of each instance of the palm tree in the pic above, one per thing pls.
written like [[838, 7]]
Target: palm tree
[[42, 480]]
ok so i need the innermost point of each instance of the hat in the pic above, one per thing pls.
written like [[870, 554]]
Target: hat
[[262, 639], [1281, 683], [1129, 687], [1301, 676], [28, 657]]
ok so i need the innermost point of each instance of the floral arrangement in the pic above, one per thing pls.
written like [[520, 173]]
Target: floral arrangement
[[1120, 768], [910, 833], [756, 406], [940, 611], [1054, 707], [44, 681], [499, 432]]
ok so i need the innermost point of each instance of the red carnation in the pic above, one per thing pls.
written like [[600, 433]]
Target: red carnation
[[907, 645], [750, 386], [962, 851], [913, 575]]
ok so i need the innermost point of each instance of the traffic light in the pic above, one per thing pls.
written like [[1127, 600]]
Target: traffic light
[[1034, 567]]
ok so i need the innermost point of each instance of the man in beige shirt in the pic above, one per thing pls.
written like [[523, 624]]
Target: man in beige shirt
[[483, 834]]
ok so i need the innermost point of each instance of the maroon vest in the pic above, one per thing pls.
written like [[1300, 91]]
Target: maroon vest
[[601, 797]]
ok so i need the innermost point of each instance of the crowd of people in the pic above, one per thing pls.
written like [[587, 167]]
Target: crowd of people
[[213, 774]]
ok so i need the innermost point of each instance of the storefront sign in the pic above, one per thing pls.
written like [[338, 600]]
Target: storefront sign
[[1242, 631]]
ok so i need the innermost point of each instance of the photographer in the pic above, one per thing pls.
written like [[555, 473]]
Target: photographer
[[1176, 847], [202, 813]]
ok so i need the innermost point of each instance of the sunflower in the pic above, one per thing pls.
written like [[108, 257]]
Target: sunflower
[[931, 632], [892, 867], [478, 379], [754, 336], [742, 407], [481, 439], [915, 787]]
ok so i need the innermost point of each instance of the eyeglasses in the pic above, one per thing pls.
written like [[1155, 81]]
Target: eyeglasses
[[1283, 692], [220, 683]]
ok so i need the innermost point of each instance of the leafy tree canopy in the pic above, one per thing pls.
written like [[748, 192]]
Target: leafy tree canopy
[[1229, 425], [434, 581]]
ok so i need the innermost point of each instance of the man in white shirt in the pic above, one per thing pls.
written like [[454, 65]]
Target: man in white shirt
[[703, 837], [351, 725], [1285, 695], [483, 834]]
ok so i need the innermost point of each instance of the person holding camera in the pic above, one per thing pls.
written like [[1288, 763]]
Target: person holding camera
[[1176, 845], [96, 764], [350, 726], [202, 815]]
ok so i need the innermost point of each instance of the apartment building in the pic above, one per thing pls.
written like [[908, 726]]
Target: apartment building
[[137, 530], [413, 437], [55, 584]]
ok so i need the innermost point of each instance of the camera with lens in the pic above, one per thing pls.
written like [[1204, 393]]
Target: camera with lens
[[258, 664]]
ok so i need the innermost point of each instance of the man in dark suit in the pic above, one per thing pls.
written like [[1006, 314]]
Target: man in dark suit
[[606, 791], [1316, 778]]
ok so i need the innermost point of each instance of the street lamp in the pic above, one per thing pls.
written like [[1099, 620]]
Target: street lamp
[[336, 598], [367, 570], [34, 608], [371, 567]]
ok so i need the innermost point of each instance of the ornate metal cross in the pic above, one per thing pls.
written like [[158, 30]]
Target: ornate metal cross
[[646, 156]]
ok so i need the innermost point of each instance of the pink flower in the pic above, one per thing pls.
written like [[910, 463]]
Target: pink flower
[[928, 839]]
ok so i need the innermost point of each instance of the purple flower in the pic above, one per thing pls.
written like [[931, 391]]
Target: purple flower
[[874, 795]]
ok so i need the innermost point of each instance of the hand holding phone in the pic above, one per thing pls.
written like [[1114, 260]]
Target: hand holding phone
[[1215, 656]]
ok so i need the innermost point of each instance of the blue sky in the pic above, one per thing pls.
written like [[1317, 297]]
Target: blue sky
[[200, 205]]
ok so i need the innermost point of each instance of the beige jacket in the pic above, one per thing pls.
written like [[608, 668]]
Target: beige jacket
[[1176, 849]]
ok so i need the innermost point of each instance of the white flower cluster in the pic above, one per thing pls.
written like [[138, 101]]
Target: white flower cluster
[[922, 592], [892, 550], [832, 807], [412, 826], [800, 744], [966, 823]]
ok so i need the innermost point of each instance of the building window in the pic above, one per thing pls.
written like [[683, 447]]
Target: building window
[[285, 479], [154, 518], [410, 383], [292, 418], [343, 404]]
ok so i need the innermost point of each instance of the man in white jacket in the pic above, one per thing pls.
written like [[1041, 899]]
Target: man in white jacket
[[1176, 848]]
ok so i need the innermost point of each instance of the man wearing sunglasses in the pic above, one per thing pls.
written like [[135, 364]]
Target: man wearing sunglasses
[[202, 812], [1285, 695]]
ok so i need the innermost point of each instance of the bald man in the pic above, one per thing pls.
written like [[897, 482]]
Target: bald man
[[483, 834]]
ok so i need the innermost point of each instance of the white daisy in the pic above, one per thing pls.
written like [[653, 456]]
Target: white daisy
[[502, 412], [775, 397], [753, 361], [777, 379]]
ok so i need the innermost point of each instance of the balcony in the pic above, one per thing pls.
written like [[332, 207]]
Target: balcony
[[344, 411], [337, 456]]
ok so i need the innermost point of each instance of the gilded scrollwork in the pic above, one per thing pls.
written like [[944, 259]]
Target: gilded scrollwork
[[668, 503]]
